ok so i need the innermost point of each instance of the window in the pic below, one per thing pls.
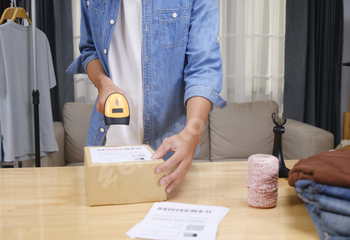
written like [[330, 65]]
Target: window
[[252, 34]]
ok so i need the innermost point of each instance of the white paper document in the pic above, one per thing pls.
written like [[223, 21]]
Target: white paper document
[[177, 221], [120, 154]]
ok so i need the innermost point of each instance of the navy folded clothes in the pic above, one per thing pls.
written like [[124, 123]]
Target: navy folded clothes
[[331, 168], [328, 206]]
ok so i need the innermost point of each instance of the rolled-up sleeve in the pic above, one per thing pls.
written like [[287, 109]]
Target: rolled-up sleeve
[[86, 46], [203, 72]]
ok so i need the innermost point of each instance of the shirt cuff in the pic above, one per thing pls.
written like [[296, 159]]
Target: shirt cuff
[[208, 93], [79, 65]]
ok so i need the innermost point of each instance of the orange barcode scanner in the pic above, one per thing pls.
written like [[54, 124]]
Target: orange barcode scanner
[[116, 110]]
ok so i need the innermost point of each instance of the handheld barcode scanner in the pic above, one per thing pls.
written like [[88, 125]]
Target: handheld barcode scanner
[[116, 110]]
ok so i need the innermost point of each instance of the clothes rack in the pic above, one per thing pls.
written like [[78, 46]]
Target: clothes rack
[[35, 93], [22, 138]]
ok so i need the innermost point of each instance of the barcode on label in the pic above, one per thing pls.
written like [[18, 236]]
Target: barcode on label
[[190, 234], [194, 227], [138, 157]]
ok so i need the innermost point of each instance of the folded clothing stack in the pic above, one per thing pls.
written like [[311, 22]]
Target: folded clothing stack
[[322, 181]]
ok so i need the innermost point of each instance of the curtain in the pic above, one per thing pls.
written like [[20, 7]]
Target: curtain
[[3, 5], [54, 18], [252, 35], [313, 63]]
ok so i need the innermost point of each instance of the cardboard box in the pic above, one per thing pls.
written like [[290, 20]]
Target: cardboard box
[[122, 182]]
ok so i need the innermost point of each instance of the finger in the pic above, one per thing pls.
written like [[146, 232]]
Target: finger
[[171, 162], [166, 146], [178, 177], [100, 104], [173, 184], [179, 172]]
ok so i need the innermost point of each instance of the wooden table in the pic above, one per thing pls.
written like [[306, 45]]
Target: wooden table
[[50, 203]]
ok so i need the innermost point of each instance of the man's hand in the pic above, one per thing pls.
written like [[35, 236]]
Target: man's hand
[[104, 84], [184, 147], [183, 144], [106, 88]]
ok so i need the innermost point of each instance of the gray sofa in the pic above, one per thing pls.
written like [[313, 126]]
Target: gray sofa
[[230, 134]]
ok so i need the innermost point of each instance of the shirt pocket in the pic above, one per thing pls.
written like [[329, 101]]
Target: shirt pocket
[[96, 10], [173, 26]]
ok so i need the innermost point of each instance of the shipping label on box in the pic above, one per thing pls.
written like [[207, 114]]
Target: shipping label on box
[[122, 175]]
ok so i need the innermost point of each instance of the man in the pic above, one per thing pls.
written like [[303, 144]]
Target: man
[[164, 56]]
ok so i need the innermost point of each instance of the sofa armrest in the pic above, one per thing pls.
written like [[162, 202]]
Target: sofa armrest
[[302, 140]]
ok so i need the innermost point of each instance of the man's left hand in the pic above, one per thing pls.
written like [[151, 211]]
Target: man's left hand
[[184, 146]]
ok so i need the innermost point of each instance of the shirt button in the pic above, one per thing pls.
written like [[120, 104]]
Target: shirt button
[[102, 130], [174, 15], [111, 22], [105, 51], [218, 39], [87, 2]]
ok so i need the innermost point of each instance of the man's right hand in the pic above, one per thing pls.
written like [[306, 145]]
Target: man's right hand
[[104, 84], [106, 88]]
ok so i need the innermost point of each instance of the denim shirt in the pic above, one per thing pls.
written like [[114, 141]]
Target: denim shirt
[[180, 59]]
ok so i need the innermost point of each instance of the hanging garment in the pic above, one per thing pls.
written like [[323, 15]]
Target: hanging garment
[[16, 86]]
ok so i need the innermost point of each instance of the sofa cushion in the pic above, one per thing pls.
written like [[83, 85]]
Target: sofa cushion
[[242, 129], [76, 119]]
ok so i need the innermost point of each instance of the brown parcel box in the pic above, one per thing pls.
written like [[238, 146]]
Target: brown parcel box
[[123, 182]]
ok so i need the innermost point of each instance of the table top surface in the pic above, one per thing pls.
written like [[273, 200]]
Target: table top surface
[[50, 203]]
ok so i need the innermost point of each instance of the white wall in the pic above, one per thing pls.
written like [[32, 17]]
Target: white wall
[[345, 81]]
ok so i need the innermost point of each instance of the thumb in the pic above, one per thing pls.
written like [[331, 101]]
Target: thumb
[[166, 146]]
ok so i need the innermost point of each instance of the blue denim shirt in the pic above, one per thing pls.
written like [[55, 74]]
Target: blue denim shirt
[[180, 59]]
